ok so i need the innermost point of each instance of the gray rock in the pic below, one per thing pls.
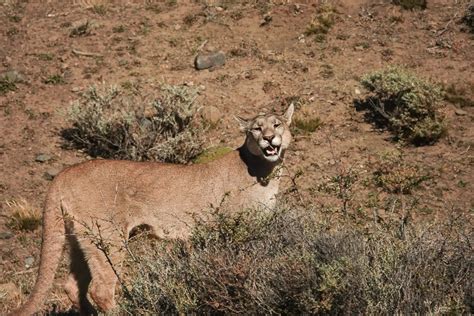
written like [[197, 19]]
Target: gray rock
[[43, 158], [12, 76], [50, 174], [6, 235], [211, 114], [206, 61], [460, 112], [29, 261]]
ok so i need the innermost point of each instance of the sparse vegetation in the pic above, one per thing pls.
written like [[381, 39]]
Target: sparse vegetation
[[54, 79], [45, 56], [342, 186], [6, 84], [23, 216], [405, 104], [286, 262], [394, 175], [99, 9], [305, 125], [105, 125], [211, 154], [119, 29], [322, 22], [458, 96]]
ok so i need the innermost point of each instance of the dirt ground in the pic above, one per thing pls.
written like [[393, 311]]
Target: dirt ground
[[270, 63]]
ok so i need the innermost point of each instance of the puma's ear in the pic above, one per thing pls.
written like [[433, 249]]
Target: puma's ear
[[243, 123], [289, 114]]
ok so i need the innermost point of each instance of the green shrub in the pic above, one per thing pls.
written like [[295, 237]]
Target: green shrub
[[106, 125], [212, 154], [6, 85], [54, 79], [306, 125], [258, 262], [405, 104]]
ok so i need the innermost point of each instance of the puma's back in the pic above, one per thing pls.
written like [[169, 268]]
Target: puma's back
[[97, 203]]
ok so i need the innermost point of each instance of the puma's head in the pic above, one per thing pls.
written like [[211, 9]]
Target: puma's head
[[268, 135]]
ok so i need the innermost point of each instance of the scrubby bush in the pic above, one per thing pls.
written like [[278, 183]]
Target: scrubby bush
[[111, 124], [405, 104], [258, 262]]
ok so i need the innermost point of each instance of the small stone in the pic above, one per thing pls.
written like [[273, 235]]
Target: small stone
[[53, 39], [29, 261], [43, 158], [460, 112], [9, 291], [206, 61], [50, 174], [210, 48], [6, 235], [75, 89], [357, 91], [211, 114]]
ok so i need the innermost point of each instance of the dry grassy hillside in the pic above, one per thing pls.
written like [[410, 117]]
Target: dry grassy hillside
[[350, 163]]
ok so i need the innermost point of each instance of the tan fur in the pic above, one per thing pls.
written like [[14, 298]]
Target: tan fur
[[97, 203]]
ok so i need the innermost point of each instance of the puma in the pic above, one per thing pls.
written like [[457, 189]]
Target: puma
[[95, 205]]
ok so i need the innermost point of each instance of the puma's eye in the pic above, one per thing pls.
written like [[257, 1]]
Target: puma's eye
[[276, 125], [257, 129]]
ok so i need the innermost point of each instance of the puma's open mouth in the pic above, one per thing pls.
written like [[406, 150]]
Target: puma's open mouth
[[271, 151]]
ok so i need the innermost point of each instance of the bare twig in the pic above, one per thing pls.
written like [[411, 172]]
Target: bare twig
[[86, 54], [445, 28]]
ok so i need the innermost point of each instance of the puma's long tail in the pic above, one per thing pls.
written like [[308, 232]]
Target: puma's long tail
[[51, 252]]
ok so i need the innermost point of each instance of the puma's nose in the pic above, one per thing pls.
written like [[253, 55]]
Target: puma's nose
[[269, 138]]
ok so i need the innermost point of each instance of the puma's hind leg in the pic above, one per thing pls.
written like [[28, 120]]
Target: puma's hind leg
[[103, 284], [104, 258]]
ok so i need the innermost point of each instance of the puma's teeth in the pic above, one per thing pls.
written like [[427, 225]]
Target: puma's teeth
[[270, 151]]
